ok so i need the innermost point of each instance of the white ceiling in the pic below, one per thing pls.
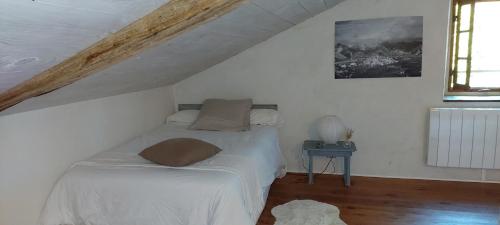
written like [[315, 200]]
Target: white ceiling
[[37, 35]]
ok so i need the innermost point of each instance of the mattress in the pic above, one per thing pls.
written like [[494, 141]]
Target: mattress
[[120, 187]]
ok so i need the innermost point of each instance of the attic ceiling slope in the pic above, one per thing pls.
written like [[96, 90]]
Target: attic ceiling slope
[[187, 54], [164, 23], [36, 35]]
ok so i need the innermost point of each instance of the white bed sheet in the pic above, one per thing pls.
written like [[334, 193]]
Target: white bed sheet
[[118, 187]]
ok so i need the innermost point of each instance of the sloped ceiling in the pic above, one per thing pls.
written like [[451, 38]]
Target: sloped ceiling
[[36, 35]]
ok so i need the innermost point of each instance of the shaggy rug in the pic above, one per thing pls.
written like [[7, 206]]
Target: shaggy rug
[[306, 212]]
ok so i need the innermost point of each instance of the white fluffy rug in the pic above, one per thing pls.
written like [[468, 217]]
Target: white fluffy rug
[[306, 212]]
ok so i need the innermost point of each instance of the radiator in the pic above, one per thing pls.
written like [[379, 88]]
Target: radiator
[[464, 137]]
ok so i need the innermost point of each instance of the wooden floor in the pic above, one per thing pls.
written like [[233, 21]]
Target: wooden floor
[[381, 201]]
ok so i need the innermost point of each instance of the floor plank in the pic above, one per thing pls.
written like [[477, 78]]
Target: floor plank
[[383, 201]]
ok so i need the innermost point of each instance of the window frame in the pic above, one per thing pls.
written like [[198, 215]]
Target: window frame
[[454, 90]]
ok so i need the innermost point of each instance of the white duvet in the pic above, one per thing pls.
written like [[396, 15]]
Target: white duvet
[[118, 187]]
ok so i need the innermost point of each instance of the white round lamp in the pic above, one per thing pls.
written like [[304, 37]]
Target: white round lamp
[[331, 129]]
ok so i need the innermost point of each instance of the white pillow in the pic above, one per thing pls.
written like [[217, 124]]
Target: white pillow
[[269, 117], [184, 116]]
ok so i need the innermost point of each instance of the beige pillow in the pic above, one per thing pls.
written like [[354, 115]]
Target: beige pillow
[[224, 115], [179, 152]]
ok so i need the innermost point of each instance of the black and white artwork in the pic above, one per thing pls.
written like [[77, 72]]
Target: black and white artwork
[[372, 48]]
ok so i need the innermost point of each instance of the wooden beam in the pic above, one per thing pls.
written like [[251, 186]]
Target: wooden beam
[[164, 23]]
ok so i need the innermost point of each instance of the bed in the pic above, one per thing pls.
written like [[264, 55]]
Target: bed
[[119, 187]]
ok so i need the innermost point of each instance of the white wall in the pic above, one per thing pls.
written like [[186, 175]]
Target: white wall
[[37, 146], [295, 70]]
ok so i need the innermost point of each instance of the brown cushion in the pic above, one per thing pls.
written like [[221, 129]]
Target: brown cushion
[[179, 152], [224, 115]]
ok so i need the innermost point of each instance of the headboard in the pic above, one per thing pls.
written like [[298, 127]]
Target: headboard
[[181, 107]]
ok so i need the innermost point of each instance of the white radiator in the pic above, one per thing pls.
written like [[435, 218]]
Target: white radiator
[[464, 137]]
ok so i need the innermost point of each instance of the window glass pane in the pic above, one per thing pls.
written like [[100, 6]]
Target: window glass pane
[[461, 78], [489, 79], [462, 65], [463, 49], [465, 17], [485, 66]]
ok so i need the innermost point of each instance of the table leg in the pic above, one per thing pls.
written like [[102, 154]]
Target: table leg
[[310, 169], [347, 171]]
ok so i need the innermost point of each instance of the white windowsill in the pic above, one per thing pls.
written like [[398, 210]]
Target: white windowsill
[[461, 98]]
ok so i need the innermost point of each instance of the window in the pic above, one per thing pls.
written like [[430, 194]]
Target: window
[[475, 48]]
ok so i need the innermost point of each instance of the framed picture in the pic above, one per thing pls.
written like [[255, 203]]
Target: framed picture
[[373, 48]]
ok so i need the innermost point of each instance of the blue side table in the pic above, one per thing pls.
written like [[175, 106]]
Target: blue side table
[[340, 149]]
